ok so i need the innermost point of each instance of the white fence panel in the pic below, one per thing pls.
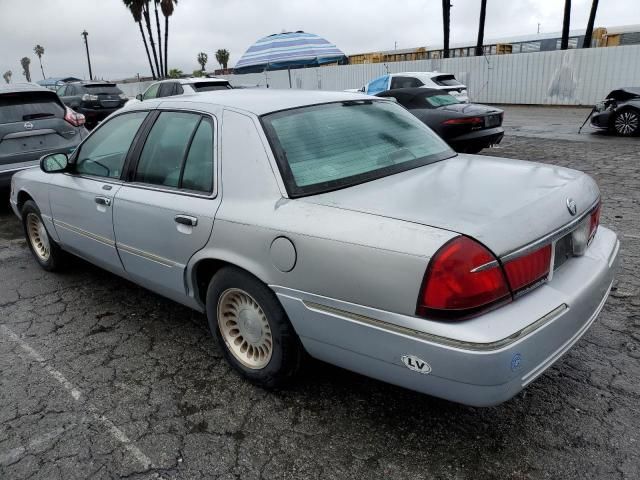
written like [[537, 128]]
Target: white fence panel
[[570, 77]]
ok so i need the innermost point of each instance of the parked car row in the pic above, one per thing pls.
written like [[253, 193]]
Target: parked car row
[[335, 225]]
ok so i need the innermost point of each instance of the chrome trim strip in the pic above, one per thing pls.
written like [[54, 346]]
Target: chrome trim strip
[[450, 342], [147, 256], [105, 241], [13, 170], [539, 370], [486, 266], [551, 237]]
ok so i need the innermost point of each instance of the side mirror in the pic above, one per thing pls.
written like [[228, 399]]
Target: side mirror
[[139, 96], [54, 163]]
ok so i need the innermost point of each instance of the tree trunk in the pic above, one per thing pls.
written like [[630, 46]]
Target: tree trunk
[[564, 43], [480, 43], [147, 21], [146, 47], [166, 45], [592, 20], [446, 12], [42, 69], [159, 39]]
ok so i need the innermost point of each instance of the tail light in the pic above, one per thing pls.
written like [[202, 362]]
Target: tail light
[[594, 221], [74, 118], [473, 121], [462, 278], [528, 269]]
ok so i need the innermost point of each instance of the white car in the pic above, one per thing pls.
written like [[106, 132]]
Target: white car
[[437, 80], [181, 86]]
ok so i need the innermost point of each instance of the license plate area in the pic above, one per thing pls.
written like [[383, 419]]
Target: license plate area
[[491, 121], [563, 251]]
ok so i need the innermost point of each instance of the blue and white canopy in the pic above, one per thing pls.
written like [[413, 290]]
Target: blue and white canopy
[[288, 50]]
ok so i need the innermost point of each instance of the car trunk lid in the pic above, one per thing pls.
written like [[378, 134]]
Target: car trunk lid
[[504, 204]]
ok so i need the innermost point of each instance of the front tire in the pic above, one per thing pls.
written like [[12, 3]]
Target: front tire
[[252, 328], [46, 252], [627, 123]]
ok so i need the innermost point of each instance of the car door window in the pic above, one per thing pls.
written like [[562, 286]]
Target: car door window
[[166, 89], [197, 172], [405, 82], [179, 90], [61, 90], [165, 148], [151, 92], [104, 152]]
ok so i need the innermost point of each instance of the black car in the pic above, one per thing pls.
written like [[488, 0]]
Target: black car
[[34, 122], [619, 113], [95, 100], [466, 127]]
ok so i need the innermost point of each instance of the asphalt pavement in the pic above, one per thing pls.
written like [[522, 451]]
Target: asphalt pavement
[[100, 378]]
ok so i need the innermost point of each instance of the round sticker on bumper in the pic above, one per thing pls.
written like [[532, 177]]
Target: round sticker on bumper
[[516, 361], [416, 364]]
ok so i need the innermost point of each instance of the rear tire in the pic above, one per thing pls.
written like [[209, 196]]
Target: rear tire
[[46, 252], [252, 329], [627, 123]]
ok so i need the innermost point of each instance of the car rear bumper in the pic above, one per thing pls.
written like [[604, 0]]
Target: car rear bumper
[[484, 373], [479, 138]]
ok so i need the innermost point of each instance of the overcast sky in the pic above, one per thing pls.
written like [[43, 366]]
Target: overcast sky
[[207, 25]]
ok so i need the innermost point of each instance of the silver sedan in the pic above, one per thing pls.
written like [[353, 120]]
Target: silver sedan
[[336, 224]]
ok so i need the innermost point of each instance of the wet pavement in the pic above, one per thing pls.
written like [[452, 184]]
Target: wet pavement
[[102, 379]]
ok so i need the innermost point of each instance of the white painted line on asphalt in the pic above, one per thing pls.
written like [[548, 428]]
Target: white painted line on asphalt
[[75, 393], [14, 454]]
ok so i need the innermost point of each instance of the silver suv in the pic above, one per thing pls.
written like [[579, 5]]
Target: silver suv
[[183, 86], [34, 122]]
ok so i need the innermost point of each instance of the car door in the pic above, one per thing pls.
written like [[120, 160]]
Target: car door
[[165, 213], [82, 201]]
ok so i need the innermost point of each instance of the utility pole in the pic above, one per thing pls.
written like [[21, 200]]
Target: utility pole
[[86, 44]]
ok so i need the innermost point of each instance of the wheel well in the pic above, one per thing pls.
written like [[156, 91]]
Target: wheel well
[[22, 198], [204, 271]]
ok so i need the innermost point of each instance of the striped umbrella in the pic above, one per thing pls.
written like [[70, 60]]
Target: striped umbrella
[[289, 50]]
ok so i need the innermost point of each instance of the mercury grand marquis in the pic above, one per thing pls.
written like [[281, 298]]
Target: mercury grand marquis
[[334, 224]]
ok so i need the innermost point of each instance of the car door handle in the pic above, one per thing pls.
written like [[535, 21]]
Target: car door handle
[[186, 220], [103, 201]]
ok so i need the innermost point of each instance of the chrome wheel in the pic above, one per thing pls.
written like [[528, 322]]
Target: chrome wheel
[[627, 123], [38, 237], [244, 328]]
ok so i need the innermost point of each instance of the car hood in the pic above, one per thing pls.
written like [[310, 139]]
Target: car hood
[[503, 203]]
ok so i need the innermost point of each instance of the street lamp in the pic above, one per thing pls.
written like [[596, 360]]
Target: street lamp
[[86, 44]]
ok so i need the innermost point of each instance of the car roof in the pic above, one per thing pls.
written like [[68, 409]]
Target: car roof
[[22, 87], [191, 80], [419, 74], [91, 82], [260, 101]]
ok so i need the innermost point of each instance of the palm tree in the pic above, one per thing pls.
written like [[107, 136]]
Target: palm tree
[[479, 44], [39, 51], [446, 17], [147, 22], [222, 57], [202, 58], [155, 6], [175, 73], [564, 43], [25, 62], [7, 76], [592, 20], [167, 7], [135, 7]]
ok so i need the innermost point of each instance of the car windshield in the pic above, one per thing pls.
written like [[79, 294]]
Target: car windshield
[[102, 89], [336, 145], [211, 86]]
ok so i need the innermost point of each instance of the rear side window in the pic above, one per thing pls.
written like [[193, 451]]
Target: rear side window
[[167, 89], [210, 86], [446, 81], [405, 82], [178, 153], [21, 107]]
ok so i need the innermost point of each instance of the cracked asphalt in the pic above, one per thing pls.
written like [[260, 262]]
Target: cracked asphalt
[[102, 379]]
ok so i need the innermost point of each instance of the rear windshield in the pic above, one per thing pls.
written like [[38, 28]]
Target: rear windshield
[[446, 81], [24, 106], [210, 86], [102, 89], [336, 145], [436, 100]]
